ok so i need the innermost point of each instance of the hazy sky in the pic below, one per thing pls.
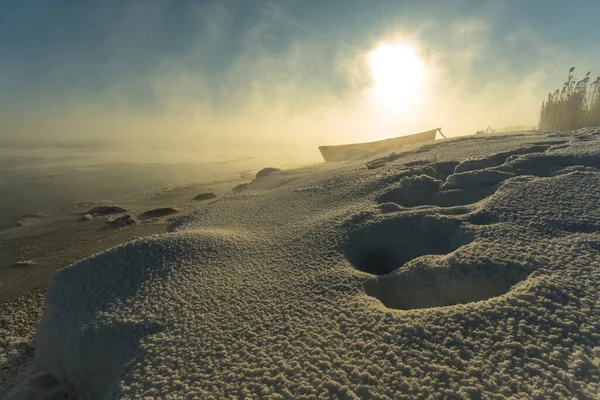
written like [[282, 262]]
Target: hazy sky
[[291, 71]]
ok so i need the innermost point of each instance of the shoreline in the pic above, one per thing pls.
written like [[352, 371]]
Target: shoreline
[[44, 243], [30, 254]]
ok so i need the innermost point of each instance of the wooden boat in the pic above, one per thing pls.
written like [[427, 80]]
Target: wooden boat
[[346, 151]]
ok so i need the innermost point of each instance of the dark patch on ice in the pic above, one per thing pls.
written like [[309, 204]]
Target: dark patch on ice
[[105, 210], [383, 246], [266, 171], [159, 212], [205, 196], [425, 287]]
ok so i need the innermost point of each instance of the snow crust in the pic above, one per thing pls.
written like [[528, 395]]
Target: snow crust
[[386, 277]]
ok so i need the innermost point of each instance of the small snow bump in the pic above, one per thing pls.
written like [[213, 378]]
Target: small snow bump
[[160, 212], [86, 217], [205, 196], [105, 210], [124, 220], [266, 171]]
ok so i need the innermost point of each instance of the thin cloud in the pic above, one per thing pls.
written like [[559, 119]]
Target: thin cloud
[[275, 12]]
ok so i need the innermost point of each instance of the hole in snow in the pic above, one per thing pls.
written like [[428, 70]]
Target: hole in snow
[[426, 287], [381, 247]]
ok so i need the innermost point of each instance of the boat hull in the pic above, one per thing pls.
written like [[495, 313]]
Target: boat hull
[[346, 151]]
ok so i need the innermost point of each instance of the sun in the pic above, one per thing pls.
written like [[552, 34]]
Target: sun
[[398, 75]]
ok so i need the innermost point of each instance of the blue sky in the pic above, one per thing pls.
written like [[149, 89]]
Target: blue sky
[[140, 55]]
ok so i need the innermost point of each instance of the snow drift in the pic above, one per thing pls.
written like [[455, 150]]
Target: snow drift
[[467, 268]]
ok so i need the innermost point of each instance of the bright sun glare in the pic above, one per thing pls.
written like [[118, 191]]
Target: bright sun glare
[[398, 76]]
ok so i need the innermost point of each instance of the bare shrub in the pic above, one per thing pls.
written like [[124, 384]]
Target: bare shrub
[[576, 105]]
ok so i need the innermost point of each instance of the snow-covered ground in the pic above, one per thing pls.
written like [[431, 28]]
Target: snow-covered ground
[[465, 268]]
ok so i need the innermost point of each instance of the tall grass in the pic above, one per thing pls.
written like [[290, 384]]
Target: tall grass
[[575, 106]]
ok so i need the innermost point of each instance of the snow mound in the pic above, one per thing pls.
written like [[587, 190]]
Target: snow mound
[[412, 191], [205, 196], [266, 171], [122, 221], [363, 279], [159, 212]]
